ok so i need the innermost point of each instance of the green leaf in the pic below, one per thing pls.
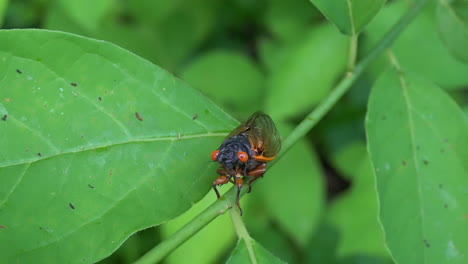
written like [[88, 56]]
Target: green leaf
[[288, 20], [80, 169], [354, 214], [346, 159], [308, 70], [292, 191], [350, 16], [431, 59], [263, 229], [3, 7], [167, 40], [258, 254], [229, 78], [452, 18], [419, 149], [208, 244], [84, 16]]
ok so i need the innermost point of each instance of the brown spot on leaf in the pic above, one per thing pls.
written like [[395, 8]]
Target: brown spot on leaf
[[138, 116], [445, 205], [403, 162], [195, 117], [110, 172], [426, 243], [39, 154], [2, 226], [7, 100]]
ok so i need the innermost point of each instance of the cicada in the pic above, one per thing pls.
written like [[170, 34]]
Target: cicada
[[244, 153]]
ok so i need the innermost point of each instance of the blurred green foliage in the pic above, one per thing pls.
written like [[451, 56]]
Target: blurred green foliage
[[319, 205]]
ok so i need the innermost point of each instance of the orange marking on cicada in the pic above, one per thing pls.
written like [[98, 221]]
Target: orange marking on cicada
[[262, 158], [214, 155]]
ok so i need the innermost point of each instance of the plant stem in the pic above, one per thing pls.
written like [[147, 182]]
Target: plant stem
[[319, 112], [242, 233], [160, 251], [353, 45], [219, 207]]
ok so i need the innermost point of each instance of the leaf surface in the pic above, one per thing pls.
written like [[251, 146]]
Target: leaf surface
[[452, 19], [418, 143], [350, 16], [259, 254], [97, 143]]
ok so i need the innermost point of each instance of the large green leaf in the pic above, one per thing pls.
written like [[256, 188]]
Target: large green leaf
[[452, 18], [350, 16], [80, 169], [251, 252], [418, 142]]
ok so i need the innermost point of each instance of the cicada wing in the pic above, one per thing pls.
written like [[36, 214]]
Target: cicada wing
[[247, 125], [264, 135]]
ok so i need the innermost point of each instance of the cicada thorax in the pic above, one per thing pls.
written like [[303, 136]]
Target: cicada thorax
[[236, 155]]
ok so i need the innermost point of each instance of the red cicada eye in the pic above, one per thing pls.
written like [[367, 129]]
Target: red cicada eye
[[214, 155], [242, 156]]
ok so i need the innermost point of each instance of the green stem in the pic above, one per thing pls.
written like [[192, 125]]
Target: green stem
[[161, 250], [319, 112], [353, 45], [242, 233]]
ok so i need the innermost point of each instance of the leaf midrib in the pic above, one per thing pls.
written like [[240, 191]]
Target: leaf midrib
[[83, 149], [404, 88]]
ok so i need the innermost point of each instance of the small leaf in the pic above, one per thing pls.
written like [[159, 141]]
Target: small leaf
[[230, 79], [432, 60], [3, 7], [292, 191], [88, 18], [97, 144], [452, 18], [419, 149], [256, 254], [304, 75], [206, 245], [278, 17], [354, 214], [350, 16]]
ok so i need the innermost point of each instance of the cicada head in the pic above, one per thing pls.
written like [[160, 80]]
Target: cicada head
[[234, 154]]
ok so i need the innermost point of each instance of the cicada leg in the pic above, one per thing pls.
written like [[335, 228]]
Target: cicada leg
[[220, 180], [256, 173], [239, 183]]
